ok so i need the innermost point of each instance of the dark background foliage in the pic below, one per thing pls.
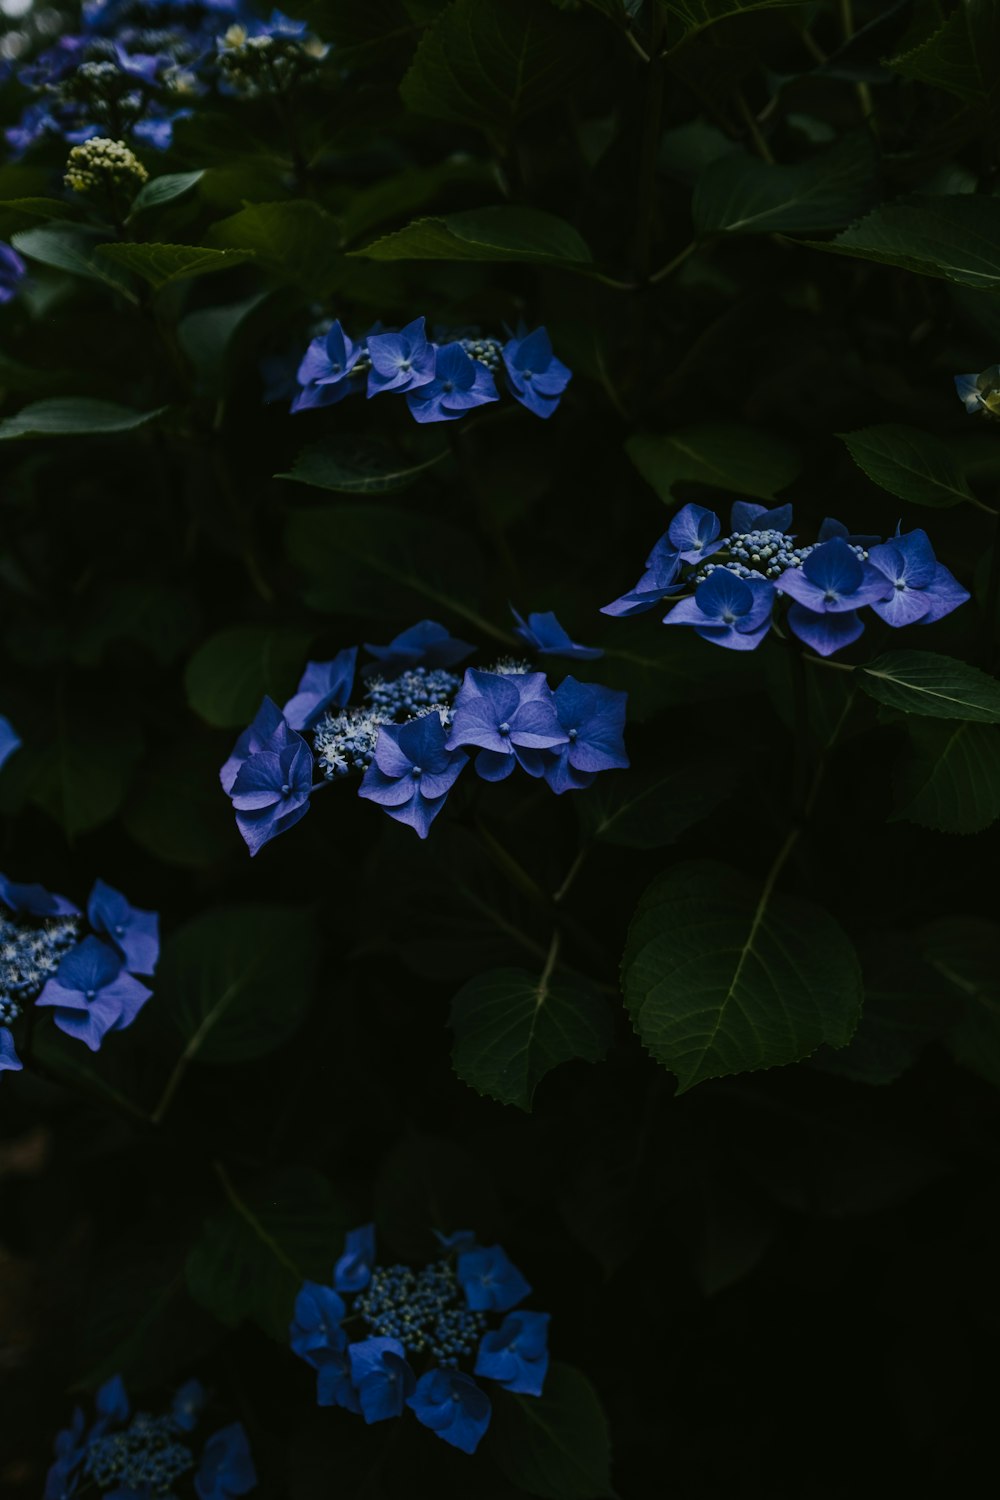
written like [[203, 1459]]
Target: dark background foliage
[[784, 1278]]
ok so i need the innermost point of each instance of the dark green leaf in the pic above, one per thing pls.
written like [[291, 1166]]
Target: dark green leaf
[[511, 1028], [73, 416], [741, 195], [719, 454], [359, 466], [965, 951], [175, 809], [501, 233], [232, 671], [936, 687], [81, 778], [647, 812], [70, 250], [690, 17], [236, 983], [722, 977], [296, 240], [910, 463], [164, 189], [162, 264], [556, 1445], [949, 779], [955, 237], [960, 56]]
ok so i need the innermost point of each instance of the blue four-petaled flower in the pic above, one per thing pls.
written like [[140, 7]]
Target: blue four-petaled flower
[[452, 1405], [544, 634], [414, 769], [829, 589], [516, 1354], [459, 384], [731, 611], [535, 377], [504, 714], [490, 1279], [91, 994]]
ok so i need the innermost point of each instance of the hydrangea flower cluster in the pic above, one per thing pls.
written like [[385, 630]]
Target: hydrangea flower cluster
[[385, 1338], [267, 57], [106, 167], [418, 722], [88, 982], [980, 394], [731, 585], [440, 380], [134, 1455]]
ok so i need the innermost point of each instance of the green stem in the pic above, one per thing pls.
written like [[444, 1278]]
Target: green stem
[[649, 147]]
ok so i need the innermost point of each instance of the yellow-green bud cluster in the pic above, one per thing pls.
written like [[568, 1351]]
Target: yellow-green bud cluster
[[100, 164]]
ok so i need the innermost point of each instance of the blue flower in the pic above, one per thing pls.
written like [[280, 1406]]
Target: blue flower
[[323, 684], [490, 1280], [452, 1405], [536, 378], [256, 737], [461, 1239], [272, 788], [226, 1466], [830, 587], [353, 1270], [830, 528], [91, 993], [504, 714], [381, 1377], [70, 1447], [400, 361], [662, 567], [10, 740], [747, 515], [188, 1404], [325, 374], [315, 1329], [334, 1386], [135, 933], [111, 1402], [460, 383], [12, 273], [593, 720], [413, 771], [35, 900], [516, 1354], [9, 1060], [426, 644], [731, 611], [980, 394], [922, 589], [544, 634], [694, 533]]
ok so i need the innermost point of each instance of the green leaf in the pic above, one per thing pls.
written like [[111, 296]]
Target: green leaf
[[81, 778], [690, 17], [501, 233], [511, 1028], [720, 454], [965, 951], [208, 336], [721, 977], [556, 1445], [647, 812], [396, 196], [358, 465], [232, 671], [175, 811], [910, 463], [74, 416], [936, 687], [296, 240], [489, 63], [741, 195], [162, 264], [950, 777], [70, 250], [165, 189], [236, 982], [255, 1253], [956, 238], [960, 56]]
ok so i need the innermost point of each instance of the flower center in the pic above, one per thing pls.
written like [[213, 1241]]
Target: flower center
[[417, 772], [91, 994], [572, 733], [406, 364], [285, 790], [449, 385], [830, 597], [503, 729]]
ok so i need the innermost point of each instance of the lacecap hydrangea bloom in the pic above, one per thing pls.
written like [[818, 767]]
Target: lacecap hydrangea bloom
[[128, 1454], [728, 589], [266, 56], [384, 1339], [418, 722], [89, 982], [440, 379]]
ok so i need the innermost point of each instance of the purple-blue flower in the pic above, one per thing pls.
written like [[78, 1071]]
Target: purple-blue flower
[[516, 1354], [747, 515], [401, 361], [490, 1280], [324, 376], [188, 1404], [980, 394], [134, 932], [12, 272], [324, 684], [413, 771], [731, 611], [381, 1377], [426, 644], [920, 589], [694, 533], [536, 378], [315, 1329], [593, 720], [504, 714], [459, 384], [257, 736], [659, 580], [830, 587], [10, 740], [353, 1270], [334, 1386], [271, 789], [452, 1405], [226, 1467], [544, 634], [9, 1060], [92, 994], [830, 527], [34, 900], [69, 1447]]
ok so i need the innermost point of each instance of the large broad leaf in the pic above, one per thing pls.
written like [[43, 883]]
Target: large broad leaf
[[741, 195], [687, 18], [500, 233], [960, 56], [174, 809], [232, 671], [965, 951], [74, 416], [955, 237], [162, 264], [82, 776], [296, 240], [720, 454], [394, 197], [511, 1028], [237, 982], [910, 463], [373, 560], [722, 977], [489, 63], [359, 466], [72, 250], [647, 812], [949, 779], [165, 189], [209, 336], [270, 1237], [934, 686], [556, 1445]]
